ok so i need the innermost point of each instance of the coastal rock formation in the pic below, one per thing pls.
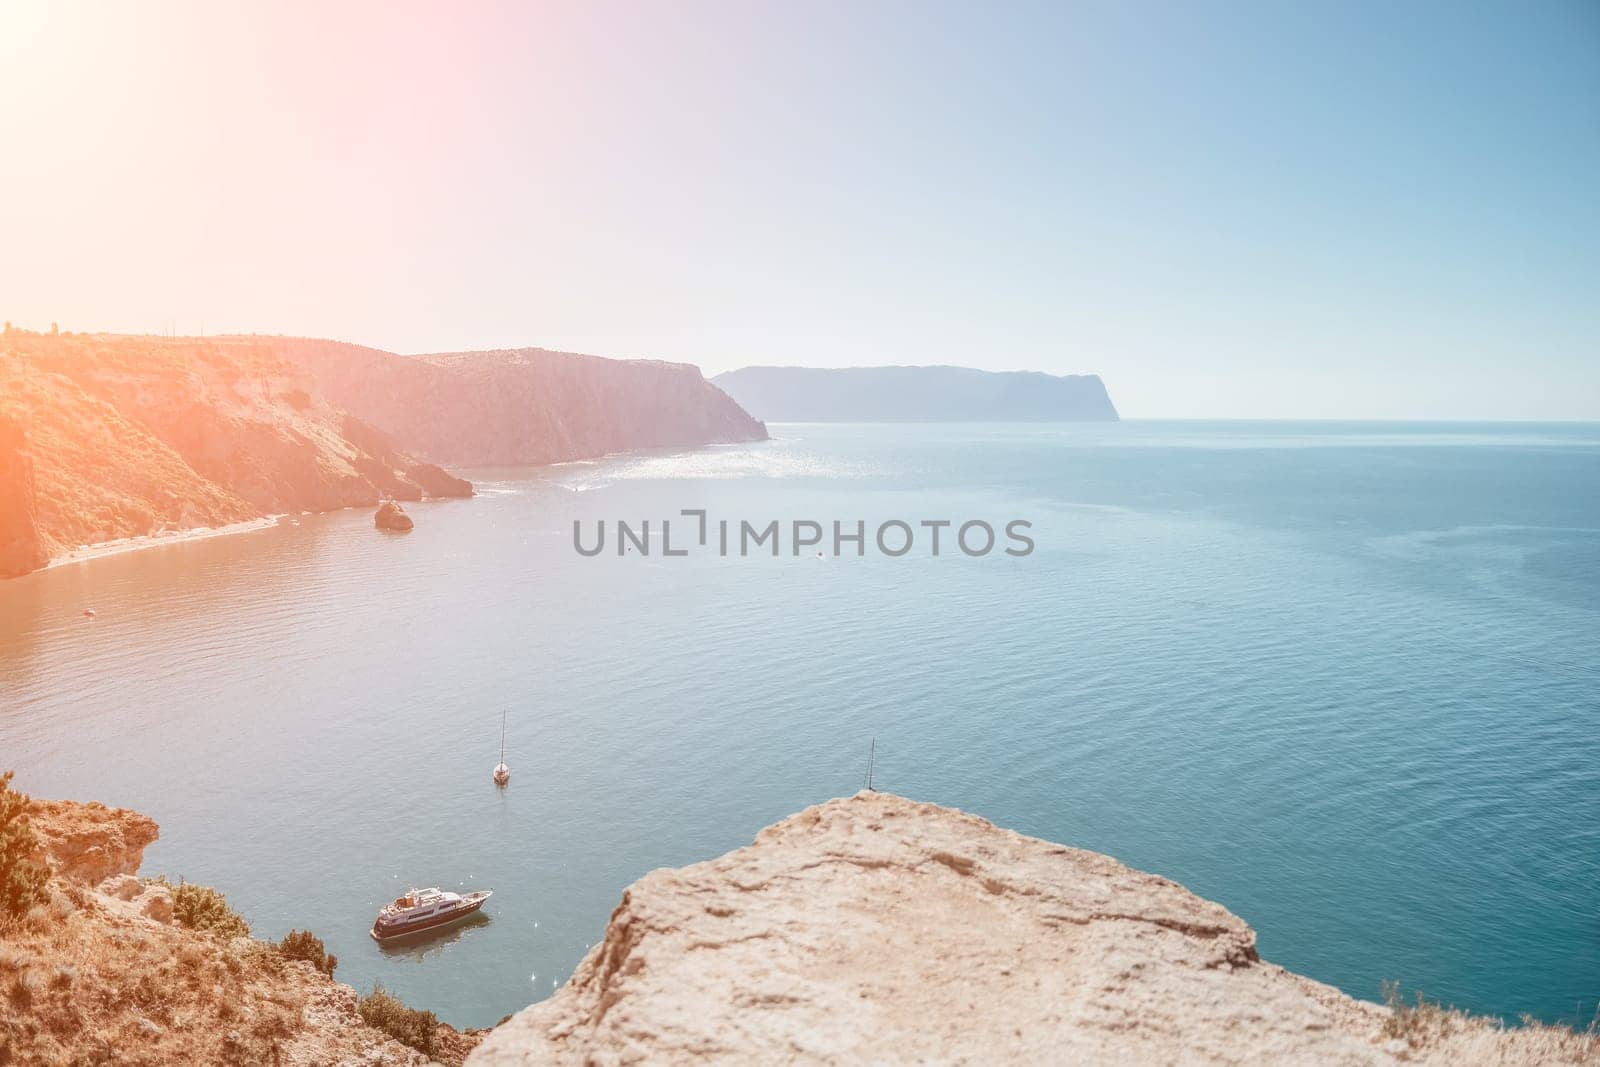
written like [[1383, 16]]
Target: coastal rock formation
[[916, 394], [104, 437], [122, 886], [91, 843], [133, 436], [873, 929], [523, 406], [155, 902], [391, 516], [107, 976]]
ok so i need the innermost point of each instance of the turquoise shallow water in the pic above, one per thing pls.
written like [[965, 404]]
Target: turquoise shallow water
[[1340, 678]]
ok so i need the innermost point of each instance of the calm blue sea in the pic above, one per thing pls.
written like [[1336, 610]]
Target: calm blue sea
[[1341, 678]]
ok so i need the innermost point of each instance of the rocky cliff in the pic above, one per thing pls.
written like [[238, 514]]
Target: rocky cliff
[[22, 546], [104, 437], [89, 843], [917, 394], [523, 406], [104, 973], [877, 930]]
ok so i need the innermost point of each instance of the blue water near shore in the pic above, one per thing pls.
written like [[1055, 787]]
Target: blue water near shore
[[1341, 678]]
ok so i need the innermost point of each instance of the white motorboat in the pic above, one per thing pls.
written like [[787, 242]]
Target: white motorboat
[[425, 909]]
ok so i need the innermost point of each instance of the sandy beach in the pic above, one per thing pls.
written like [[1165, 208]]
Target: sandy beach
[[133, 544]]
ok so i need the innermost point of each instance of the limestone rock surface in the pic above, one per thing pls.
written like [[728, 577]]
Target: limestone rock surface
[[90, 843], [874, 929]]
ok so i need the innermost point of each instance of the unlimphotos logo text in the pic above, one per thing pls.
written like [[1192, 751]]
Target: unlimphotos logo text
[[697, 533]]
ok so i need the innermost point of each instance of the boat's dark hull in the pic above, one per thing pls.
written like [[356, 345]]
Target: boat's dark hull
[[392, 931]]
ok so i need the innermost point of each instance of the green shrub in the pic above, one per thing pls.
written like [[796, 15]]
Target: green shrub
[[383, 1011], [199, 907], [23, 882], [305, 945]]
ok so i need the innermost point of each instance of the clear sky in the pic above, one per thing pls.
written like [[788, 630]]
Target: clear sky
[[1274, 209]]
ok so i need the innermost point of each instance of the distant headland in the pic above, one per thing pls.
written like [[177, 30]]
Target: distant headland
[[916, 394]]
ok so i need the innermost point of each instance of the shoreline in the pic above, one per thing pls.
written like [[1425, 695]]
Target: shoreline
[[117, 547]]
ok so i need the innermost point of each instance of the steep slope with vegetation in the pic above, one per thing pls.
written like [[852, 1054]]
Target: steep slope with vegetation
[[22, 544], [100, 966], [104, 437], [526, 405]]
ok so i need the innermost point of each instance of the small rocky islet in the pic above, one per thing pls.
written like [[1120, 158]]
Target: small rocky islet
[[391, 516]]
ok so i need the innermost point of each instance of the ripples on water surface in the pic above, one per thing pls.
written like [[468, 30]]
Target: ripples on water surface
[[1340, 678]]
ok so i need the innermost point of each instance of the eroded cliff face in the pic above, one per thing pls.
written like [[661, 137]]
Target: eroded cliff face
[[21, 545], [130, 436], [523, 406], [874, 929], [115, 436], [90, 842]]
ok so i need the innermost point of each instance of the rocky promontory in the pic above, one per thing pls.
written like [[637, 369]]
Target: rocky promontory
[[106, 437], [89, 843], [525, 405], [873, 929]]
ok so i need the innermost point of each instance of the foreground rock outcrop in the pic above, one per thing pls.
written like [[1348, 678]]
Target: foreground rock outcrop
[[90, 843], [878, 930], [105, 973], [104, 437]]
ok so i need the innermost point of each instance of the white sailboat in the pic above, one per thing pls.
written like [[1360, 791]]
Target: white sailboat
[[502, 773]]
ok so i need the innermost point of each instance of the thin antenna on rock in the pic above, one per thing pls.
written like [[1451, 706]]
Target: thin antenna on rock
[[871, 756]]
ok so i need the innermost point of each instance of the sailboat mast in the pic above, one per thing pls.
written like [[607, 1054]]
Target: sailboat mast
[[502, 736], [872, 754]]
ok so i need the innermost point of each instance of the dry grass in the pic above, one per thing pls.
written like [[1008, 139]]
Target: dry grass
[[1436, 1034], [1418, 1024], [91, 986]]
